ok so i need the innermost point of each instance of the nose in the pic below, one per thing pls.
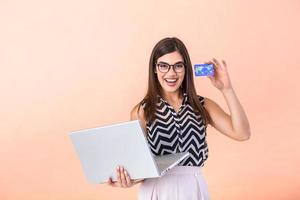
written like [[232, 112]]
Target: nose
[[172, 71]]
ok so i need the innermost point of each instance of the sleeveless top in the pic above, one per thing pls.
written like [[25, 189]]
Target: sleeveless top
[[172, 132]]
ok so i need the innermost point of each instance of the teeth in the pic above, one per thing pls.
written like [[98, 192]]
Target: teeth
[[171, 80]]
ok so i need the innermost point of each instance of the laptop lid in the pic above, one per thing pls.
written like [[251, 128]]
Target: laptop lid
[[101, 149]]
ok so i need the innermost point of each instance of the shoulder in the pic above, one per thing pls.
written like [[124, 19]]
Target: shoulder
[[137, 113]]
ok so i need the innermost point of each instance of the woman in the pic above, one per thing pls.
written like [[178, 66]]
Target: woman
[[175, 119]]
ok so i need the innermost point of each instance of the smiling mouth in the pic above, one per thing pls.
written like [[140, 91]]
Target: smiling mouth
[[171, 80]]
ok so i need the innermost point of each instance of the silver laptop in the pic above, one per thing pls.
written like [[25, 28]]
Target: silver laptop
[[102, 149]]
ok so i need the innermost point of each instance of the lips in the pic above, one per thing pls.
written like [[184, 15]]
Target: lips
[[171, 81]]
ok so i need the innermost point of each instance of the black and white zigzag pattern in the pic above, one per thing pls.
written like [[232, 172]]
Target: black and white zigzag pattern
[[173, 132]]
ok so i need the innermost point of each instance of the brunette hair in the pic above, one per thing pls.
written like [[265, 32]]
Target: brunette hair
[[165, 46]]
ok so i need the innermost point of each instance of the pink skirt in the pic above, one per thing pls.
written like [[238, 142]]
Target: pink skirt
[[179, 183]]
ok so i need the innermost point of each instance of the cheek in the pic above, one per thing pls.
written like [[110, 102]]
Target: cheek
[[160, 78], [182, 76]]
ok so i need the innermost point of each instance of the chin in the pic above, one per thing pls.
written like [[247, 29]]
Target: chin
[[171, 90]]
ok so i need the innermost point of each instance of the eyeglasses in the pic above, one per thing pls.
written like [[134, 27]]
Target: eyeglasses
[[165, 67]]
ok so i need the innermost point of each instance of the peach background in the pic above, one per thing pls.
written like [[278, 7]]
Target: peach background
[[67, 65]]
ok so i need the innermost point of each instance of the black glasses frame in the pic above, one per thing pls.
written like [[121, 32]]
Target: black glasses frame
[[169, 67]]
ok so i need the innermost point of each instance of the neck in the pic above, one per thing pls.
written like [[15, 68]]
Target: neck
[[172, 96]]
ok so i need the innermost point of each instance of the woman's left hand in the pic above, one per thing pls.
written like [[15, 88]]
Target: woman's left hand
[[221, 78]]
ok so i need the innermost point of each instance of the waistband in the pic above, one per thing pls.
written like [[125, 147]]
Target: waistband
[[185, 170]]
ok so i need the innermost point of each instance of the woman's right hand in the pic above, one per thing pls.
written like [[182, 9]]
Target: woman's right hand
[[124, 179]]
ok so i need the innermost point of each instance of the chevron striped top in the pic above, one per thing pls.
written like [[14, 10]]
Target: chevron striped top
[[172, 132]]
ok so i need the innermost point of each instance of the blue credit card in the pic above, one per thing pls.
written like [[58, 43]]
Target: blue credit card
[[205, 69]]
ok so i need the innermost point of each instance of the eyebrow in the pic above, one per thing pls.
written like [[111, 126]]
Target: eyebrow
[[169, 64]]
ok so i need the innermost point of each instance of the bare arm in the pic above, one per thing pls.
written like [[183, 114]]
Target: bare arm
[[235, 125], [138, 114]]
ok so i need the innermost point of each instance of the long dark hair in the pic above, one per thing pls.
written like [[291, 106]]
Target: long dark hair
[[165, 46]]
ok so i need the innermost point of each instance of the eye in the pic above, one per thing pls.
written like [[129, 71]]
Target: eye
[[163, 66], [179, 65]]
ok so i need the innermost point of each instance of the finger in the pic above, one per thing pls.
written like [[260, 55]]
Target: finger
[[213, 61], [217, 62], [123, 181], [215, 65], [110, 182], [127, 178], [119, 175], [218, 65], [224, 64]]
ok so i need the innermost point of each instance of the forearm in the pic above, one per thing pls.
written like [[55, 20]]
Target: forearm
[[240, 124]]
